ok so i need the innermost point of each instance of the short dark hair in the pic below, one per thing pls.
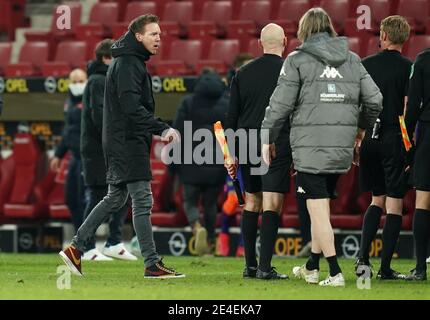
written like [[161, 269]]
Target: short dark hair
[[103, 49], [138, 24]]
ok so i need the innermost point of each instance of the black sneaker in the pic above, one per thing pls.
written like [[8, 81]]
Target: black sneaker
[[271, 275], [160, 271], [392, 275], [249, 272], [417, 275], [362, 267]]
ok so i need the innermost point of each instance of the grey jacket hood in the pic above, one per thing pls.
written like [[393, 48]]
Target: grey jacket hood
[[332, 51]]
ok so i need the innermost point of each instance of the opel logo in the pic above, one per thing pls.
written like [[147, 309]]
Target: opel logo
[[50, 84], [350, 246], [177, 244]]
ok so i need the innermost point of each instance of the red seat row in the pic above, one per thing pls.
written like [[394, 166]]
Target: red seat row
[[183, 57]]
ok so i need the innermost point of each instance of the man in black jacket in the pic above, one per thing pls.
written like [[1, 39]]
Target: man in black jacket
[[70, 142], [93, 163], [251, 89], [128, 126], [202, 109], [382, 164], [418, 110]]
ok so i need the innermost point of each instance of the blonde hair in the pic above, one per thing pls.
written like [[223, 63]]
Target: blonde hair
[[315, 20], [396, 28]]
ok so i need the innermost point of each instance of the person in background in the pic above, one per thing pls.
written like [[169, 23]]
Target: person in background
[[251, 88], [128, 126], [93, 162], [70, 142], [382, 161], [321, 86], [202, 181], [418, 114]]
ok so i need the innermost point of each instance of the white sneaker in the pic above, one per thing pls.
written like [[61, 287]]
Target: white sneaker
[[310, 276], [336, 281], [428, 260], [119, 251], [95, 255]]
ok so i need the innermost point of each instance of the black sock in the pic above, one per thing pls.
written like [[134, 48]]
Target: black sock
[[333, 265], [390, 235], [249, 231], [371, 222], [268, 234], [313, 261], [421, 234]]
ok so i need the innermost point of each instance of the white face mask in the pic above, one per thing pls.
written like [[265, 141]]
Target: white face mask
[[77, 89]]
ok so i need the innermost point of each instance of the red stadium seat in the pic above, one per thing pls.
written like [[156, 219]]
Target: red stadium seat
[[338, 11], [416, 45], [55, 35], [379, 10], [416, 11], [254, 48], [31, 58], [69, 55], [344, 211], [252, 17], [30, 163], [7, 169], [55, 199], [134, 9], [372, 46], [75, 19], [102, 17], [293, 43], [289, 14], [5, 55], [176, 17], [355, 45], [185, 52], [213, 22], [224, 51]]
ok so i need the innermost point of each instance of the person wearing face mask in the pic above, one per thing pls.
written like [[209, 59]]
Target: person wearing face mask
[[70, 141], [128, 126], [93, 163]]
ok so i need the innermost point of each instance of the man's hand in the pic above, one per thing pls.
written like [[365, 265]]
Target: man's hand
[[231, 167], [170, 135], [55, 164], [268, 152]]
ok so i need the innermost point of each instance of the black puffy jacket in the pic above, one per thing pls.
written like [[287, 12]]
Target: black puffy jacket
[[71, 137], [203, 108], [93, 162], [128, 115]]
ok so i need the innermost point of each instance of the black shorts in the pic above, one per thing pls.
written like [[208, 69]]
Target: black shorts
[[316, 186], [382, 165], [421, 167], [277, 179]]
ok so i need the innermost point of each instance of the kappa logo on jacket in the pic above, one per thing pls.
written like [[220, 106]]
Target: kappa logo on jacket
[[331, 73]]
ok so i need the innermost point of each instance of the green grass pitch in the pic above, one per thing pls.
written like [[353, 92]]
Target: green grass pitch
[[34, 276]]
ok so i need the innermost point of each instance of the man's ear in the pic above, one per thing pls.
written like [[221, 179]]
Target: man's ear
[[139, 36]]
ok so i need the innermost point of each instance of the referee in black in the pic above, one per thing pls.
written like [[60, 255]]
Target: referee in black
[[382, 160], [419, 111], [251, 89]]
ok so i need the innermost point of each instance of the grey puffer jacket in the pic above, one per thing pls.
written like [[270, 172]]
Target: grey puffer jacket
[[328, 93]]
